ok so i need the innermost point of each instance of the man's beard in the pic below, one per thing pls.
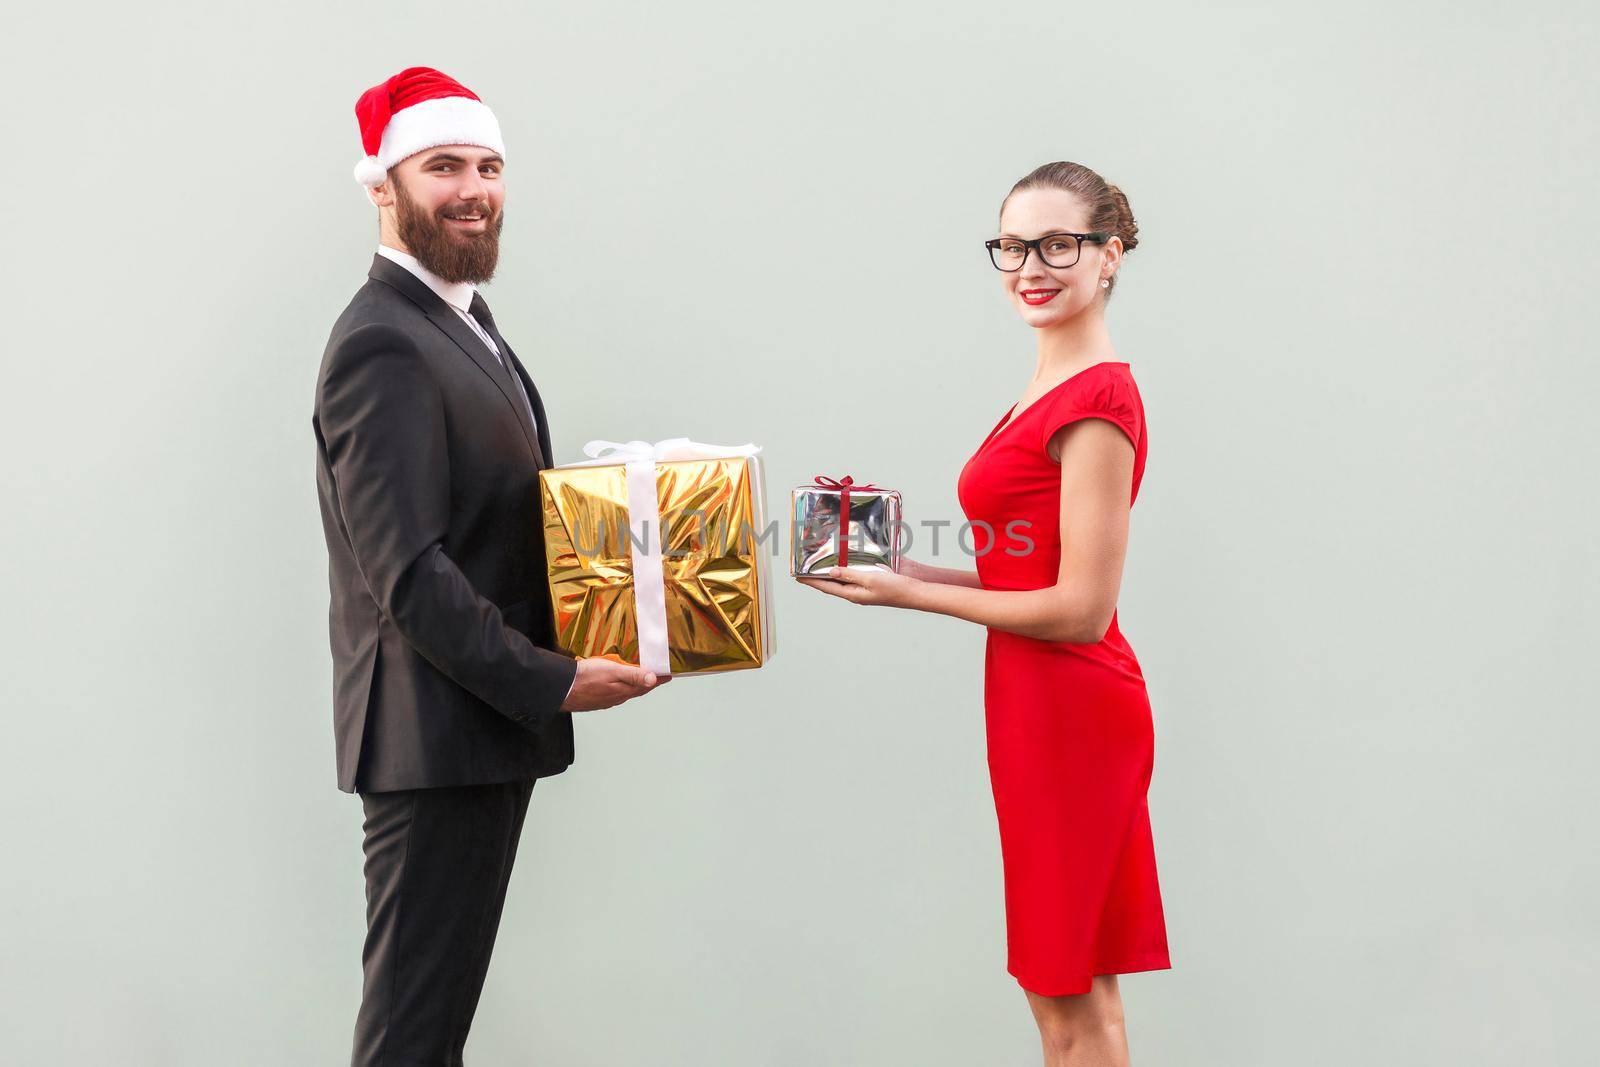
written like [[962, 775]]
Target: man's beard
[[454, 257]]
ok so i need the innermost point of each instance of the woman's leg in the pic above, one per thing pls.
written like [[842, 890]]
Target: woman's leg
[[1085, 1030]]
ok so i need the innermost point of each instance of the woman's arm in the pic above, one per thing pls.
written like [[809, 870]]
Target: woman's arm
[[1096, 473], [924, 572]]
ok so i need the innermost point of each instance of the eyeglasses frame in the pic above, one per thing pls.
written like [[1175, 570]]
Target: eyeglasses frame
[[1098, 237]]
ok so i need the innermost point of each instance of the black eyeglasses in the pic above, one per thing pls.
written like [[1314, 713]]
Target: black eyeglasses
[[1056, 249]]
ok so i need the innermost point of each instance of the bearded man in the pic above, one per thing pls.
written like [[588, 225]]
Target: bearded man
[[450, 696]]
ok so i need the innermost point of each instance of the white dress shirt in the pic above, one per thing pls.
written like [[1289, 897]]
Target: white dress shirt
[[459, 296]]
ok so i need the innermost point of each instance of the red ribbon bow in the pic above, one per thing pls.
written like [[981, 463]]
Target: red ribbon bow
[[843, 486]]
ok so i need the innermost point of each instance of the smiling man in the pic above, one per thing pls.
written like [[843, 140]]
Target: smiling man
[[450, 698]]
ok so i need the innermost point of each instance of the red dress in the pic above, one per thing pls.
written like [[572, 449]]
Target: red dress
[[1070, 736]]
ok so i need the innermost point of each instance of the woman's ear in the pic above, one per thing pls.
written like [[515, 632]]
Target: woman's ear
[[1113, 256]]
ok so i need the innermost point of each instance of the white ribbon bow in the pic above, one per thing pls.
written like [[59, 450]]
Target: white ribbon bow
[[667, 451]]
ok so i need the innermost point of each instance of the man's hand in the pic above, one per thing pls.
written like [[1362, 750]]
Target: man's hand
[[605, 683]]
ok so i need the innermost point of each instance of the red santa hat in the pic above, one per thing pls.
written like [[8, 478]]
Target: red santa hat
[[416, 109]]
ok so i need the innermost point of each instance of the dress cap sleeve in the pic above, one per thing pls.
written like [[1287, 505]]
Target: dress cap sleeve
[[1105, 392]]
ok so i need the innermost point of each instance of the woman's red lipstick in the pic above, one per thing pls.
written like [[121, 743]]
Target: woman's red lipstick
[[1036, 297]]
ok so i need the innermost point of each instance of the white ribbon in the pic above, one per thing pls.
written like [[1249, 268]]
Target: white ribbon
[[667, 451], [644, 514]]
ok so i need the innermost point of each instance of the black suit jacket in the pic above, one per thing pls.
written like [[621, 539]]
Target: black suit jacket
[[444, 663]]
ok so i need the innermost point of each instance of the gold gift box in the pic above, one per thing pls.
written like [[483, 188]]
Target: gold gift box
[[714, 571]]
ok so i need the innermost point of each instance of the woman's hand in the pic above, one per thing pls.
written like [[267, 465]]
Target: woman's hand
[[882, 588], [910, 568]]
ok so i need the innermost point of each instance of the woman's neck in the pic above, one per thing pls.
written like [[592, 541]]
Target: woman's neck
[[1068, 347]]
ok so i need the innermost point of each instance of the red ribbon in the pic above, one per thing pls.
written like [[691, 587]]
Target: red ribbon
[[843, 485]]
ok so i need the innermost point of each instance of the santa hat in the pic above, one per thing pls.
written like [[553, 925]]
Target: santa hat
[[416, 109]]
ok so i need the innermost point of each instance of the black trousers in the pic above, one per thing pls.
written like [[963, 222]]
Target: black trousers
[[437, 865]]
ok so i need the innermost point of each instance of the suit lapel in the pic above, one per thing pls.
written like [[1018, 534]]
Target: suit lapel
[[533, 397], [459, 332], [444, 317]]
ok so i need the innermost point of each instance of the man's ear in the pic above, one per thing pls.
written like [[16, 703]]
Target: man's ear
[[381, 195]]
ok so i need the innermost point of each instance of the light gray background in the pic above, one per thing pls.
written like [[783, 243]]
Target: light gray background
[[1360, 578]]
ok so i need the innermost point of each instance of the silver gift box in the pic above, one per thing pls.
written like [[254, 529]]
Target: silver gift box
[[872, 539]]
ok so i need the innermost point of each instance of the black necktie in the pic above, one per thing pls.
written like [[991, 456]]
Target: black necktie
[[480, 311]]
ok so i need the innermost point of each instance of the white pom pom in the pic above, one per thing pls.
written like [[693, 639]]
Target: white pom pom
[[370, 172]]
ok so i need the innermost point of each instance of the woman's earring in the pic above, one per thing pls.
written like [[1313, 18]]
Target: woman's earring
[[1105, 283]]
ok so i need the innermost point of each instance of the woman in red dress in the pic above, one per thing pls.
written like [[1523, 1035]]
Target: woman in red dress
[[1070, 741]]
